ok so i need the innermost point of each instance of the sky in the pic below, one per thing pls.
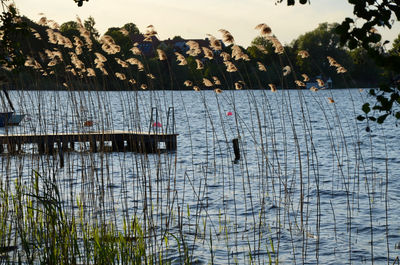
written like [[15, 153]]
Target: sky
[[193, 19]]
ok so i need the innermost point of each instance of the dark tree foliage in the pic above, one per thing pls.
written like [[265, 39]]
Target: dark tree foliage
[[375, 14], [89, 25], [13, 28], [80, 2]]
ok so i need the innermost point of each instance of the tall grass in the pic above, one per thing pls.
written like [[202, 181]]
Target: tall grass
[[307, 189]]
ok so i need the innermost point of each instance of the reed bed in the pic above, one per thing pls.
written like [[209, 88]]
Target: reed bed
[[311, 185]]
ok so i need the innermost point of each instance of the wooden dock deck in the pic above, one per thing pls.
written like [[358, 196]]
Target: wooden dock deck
[[120, 141]]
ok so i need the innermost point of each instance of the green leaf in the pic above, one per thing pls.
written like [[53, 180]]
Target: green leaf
[[382, 118], [366, 108], [372, 92], [360, 118]]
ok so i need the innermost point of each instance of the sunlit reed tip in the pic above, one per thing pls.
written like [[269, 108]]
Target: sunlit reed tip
[[161, 55], [216, 81], [303, 54], [300, 83], [121, 62], [286, 70], [238, 86], [200, 64], [264, 29], [320, 82], [261, 67], [188, 83], [226, 56], [120, 76], [207, 53], [207, 82], [227, 36], [214, 43], [180, 58], [230, 67], [151, 76], [272, 87], [305, 78]]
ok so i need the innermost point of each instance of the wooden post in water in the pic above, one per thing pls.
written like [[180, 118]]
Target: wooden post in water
[[117, 145], [72, 145], [236, 149], [41, 148], [61, 153], [93, 146], [11, 148]]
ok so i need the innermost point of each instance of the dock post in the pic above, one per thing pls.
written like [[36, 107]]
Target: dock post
[[117, 145], [1, 148], [11, 148], [72, 145], [64, 145], [102, 145], [49, 147], [41, 148], [170, 143], [61, 153], [93, 146], [236, 149]]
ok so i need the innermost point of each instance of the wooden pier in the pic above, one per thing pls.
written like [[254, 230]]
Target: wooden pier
[[121, 141]]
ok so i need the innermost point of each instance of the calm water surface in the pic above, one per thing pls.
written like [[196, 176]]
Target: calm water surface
[[311, 185]]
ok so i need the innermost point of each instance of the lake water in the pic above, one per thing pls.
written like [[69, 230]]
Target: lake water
[[311, 185]]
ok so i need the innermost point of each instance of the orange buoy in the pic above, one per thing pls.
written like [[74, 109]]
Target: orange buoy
[[88, 123]]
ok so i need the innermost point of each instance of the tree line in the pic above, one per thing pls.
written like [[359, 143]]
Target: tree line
[[62, 56]]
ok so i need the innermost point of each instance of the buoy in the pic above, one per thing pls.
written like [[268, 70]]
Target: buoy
[[88, 123], [229, 113], [157, 124]]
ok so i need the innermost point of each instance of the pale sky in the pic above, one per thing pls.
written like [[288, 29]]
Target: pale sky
[[194, 19]]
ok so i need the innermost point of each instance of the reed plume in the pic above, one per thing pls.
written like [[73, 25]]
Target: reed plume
[[180, 58], [226, 56], [216, 81], [272, 87], [120, 76], [286, 70], [136, 51], [227, 36], [161, 55], [303, 54], [230, 67], [200, 64], [207, 53], [214, 43], [305, 77], [121, 62], [261, 67], [265, 30], [207, 82], [188, 83], [194, 48]]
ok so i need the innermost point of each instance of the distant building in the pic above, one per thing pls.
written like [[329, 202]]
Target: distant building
[[149, 48]]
